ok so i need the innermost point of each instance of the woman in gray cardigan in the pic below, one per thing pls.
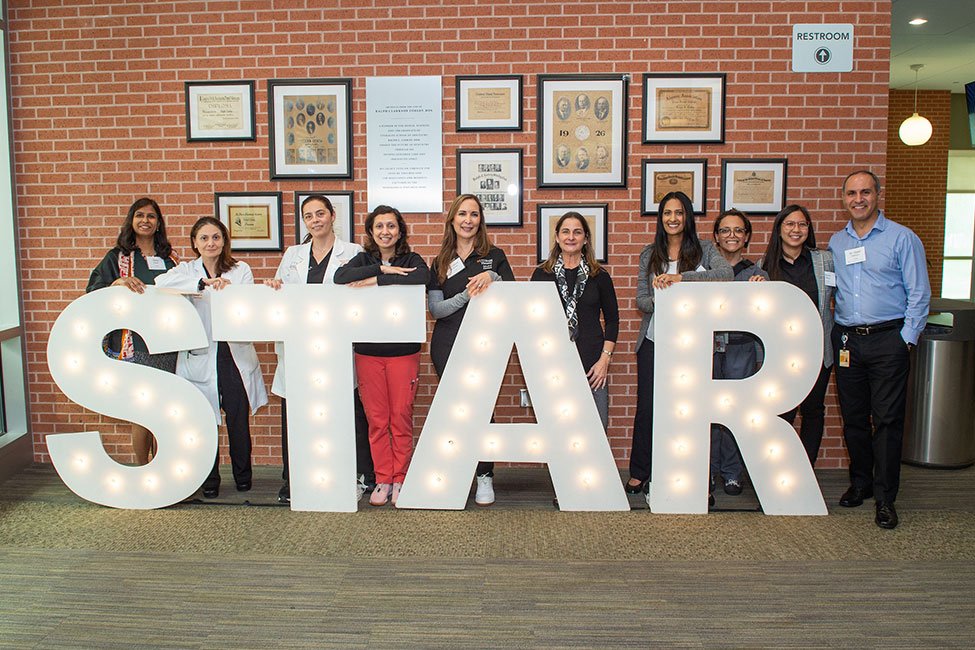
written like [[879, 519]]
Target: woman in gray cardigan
[[676, 255]]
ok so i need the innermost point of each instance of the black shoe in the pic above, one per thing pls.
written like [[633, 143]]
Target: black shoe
[[732, 487], [886, 515], [635, 489], [710, 500], [244, 487], [211, 493], [854, 497], [284, 494]]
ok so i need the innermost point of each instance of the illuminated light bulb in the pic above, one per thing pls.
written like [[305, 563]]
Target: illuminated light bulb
[[725, 401], [169, 319], [683, 377], [437, 481], [394, 313], [277, 314], [535, 445], [319, 380], [773, 450], [354, 313], [769, 392], [576, 445], [556, 379], [74, 362], [784, 481], [190, 439], [492, 444], [537, 310], [586, 478], [760, 306], [685, 341], [792, 327], [460, 412], [150, 482], [494, 309], [318, 346], [143, 395], [321, 478], [106, 381], [755, 419], [119, 306], [794, 365], [175, 412], [683, 410], [81, 462], [318, 412], [239, 311], [81, 329], [179, 469], [681, 447], [316, 315], [684, 308], [114, 482], [483, 342], [545, 344], [322, 447], [449, 446], [472, 378], [721, 306], [565, 410]]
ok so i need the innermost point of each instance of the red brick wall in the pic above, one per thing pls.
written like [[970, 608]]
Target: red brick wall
[[99, 120], [917, 177]]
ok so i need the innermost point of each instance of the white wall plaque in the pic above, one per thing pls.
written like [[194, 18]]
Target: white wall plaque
[[822, 48]]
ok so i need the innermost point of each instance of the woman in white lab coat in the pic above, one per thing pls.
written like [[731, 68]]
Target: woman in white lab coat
[[228, 374], [315, 261]]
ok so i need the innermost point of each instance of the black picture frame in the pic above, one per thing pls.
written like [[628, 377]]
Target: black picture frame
[[744, 181], [300, 142], [596, 213], [506, 169], [673, 172], [225, 203], [683, 108], [494, 87], [230, 111], [343, 201]]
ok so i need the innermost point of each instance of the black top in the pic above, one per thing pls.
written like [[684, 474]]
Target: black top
[[316, 270], [800, 273], [445, 329], [107, 272], [367, 265], [599, 296]]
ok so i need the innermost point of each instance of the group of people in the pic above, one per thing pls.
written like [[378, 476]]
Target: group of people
[[873, 270]]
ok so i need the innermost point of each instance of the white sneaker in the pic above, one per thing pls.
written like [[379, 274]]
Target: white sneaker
[[360, 486], [484, 496]]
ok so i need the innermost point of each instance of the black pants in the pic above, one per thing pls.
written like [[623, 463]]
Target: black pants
[[643, 420], [873, 397], [813, 410], [440, 345], [363, 455], [233, 401]]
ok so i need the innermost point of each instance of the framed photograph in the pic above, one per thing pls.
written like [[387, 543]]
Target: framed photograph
[[582, 131], [253, 219], [344, 221], [683, 108], [310, 128], [660, 176], [489, 103], [596, 214], [495, 177], [219, 111], [754, 186]]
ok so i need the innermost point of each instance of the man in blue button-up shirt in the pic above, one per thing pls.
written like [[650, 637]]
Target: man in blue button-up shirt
[[882, 299]]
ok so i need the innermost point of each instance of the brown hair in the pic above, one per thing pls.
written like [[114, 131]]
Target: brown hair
[[448, 248], [549, 265], [226, 261], [402, 246]]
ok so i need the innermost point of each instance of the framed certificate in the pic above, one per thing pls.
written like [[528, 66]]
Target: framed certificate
[[310, 134], [582, 131], [495, 177], [754, 186], [489, 103], [662, 176], [596, 214], [219, 110], [344, 215], [253, 219], [683, 108]]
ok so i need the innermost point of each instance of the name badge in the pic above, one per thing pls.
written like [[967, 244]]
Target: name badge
[[156, 263], [455, 267], [856, 255], [829, 278]]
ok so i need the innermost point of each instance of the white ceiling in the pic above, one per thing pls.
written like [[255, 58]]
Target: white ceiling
[[945, 44]]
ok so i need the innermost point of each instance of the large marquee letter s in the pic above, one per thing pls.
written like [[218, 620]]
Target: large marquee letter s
[[173, 409], [687, 400]]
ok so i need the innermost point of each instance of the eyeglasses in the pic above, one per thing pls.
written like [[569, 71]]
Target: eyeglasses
[[795, 225], [727, 231]]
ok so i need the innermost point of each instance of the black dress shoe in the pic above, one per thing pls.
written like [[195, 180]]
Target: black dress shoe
[[710, 500], [244, 487], [886, 515], [635, 489], [211, 493], [854, 497], [284, 494]]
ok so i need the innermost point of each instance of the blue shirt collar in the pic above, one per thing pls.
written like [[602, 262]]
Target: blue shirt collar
[[880, 224]]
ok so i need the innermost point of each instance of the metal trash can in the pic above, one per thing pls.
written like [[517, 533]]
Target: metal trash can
[[939, 430]]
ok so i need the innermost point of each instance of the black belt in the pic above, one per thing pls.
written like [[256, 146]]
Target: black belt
[[867, 330]]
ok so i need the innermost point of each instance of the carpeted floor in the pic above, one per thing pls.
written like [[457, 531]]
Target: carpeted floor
[[243, 572]]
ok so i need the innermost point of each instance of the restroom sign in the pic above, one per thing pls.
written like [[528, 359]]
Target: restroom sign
[[822, 48]]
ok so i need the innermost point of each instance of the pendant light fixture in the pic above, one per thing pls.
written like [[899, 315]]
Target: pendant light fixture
[[915, 130]]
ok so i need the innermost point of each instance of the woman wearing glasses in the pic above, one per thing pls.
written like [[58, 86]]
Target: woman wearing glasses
[[735, 353], [792, 257]]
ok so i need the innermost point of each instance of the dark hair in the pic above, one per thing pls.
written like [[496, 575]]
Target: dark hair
[[735, 213], [126, 237], [315, 197], [876, 181], [448, 247], [549, 265], [226, 261], [690, 246], [772, 262], [402, 246]]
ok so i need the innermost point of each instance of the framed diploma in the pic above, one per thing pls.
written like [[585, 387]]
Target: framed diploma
[[344, 215], [683, 108], [253, 219], [489, 103], [595, 215], [495, 177], [659, 177], [310, 128], [582, 131], [219, 110], [754, 186]]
